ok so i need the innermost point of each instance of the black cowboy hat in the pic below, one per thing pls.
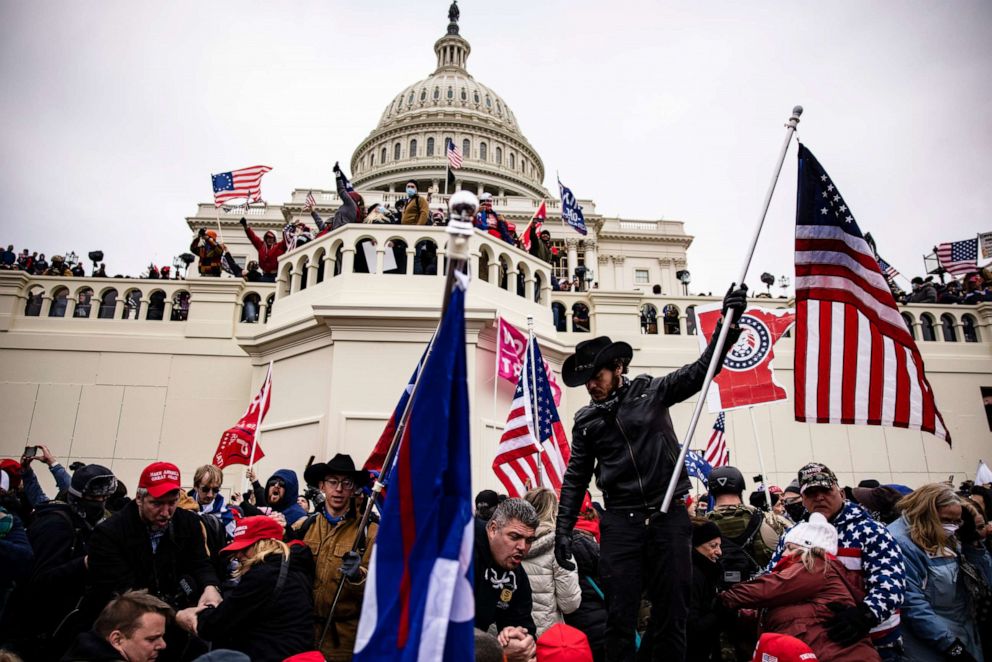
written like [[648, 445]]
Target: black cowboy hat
[[590, 356], [339, 465]]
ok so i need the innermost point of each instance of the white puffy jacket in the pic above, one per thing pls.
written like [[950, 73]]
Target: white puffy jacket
[[555, 590]]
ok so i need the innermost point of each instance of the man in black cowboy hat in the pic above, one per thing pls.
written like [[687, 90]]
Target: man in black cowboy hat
[[624, 436], [330, 533]]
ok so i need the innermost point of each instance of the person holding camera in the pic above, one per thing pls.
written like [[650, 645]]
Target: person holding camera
[[32, 488], [209, 252], [152, 544]]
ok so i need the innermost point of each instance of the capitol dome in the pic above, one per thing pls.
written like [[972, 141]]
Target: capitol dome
[[409, 141]]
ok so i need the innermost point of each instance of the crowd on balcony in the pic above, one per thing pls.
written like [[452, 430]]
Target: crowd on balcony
[[973, 289]]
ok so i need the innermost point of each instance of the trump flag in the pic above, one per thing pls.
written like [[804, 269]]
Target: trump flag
[[747, 377], [419, 602], [236, 443], [511, 345]]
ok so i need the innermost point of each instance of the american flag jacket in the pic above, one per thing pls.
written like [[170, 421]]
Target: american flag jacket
[[866, 547]]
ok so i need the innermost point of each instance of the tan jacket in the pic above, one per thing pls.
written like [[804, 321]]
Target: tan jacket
[[416, 211], [329, 543]]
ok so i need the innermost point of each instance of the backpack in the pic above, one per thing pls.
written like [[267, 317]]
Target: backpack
[[737, 544]]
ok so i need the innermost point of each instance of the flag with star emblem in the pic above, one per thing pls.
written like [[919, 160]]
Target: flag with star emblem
[[958, 257], [533, 451], [855, 361], [244, 183]]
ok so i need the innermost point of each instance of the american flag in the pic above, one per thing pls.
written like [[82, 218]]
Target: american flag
[[515, 464], [855, 361], [311, 202], [958, 257], [244, 183], [716, 453], [887, 269], [454, 156]]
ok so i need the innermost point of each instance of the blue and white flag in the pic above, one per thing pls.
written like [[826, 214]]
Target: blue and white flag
[[419, 602], [571, 212], [696, 466]]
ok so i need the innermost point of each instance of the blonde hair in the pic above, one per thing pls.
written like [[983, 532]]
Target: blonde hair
[[808, 556], [545, 503], [920, 510], [257, 553], [208, 470]]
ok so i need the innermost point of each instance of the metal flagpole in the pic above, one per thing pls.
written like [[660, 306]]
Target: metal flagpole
[[255, 434], [761, 459], [499, 331], [725, 328], [463, 206], [447, 167], [535, 417]]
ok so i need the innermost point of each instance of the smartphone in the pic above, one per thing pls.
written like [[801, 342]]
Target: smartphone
[[31, 451]]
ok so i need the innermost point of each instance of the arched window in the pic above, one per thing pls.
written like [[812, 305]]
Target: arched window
[[499, 109], [649, 319], [538, 286], [671, 320], [180, 306], [430, 147], [107, 304], [382, 156], [396, 152], [466, 148], [926, 327], [250, 307], [84, 303], [521, 281], [303, 267], [504, 269], [33, 305], [558, 315], [423, 95], [451, 93], [132, 305], [947, 325], [483, 151], [156, 305], [437, 93], [475, 96], [513, 161], [372, 160], [413, 148], [499, 156], [425, 260], [464, 94], [968, 328], [409, 99], [398, 249], [910, 326], [580, 318], [489, 102], [60, 301], [523, 165]]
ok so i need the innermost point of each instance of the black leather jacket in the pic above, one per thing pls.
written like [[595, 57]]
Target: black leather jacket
[[633, 452]]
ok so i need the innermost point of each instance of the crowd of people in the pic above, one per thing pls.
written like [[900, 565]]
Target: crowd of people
[[973, 289], [36, 264]]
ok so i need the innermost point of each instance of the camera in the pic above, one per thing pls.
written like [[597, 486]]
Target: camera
[[315, 496]]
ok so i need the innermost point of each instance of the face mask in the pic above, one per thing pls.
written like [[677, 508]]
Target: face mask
[[795, 510], [410, 192], [950, 529], [92, 511]]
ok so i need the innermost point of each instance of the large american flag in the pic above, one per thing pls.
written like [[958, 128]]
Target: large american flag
[[855, 361], [958, 257], [244, 183], [516, 463], [454, 156], [716, 453]]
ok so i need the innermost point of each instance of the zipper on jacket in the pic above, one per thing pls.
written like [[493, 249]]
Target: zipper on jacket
[[630, 451]]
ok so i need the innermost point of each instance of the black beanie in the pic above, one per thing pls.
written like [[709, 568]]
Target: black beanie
[[705, 532], [487, 497]]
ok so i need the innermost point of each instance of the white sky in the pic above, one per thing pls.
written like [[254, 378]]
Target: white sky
[[114, 113]]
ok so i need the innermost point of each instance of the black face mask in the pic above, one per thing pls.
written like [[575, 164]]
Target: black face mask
[[91, 511], [795, 511]]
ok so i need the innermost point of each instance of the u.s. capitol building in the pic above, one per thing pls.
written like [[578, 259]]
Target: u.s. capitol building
[[124, 372]]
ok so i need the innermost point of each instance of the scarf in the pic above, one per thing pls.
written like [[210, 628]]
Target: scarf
[[609, 405]]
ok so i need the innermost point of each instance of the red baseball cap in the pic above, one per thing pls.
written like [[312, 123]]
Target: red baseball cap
[[252, 529], [160, 478], [563, 643], [13, 470], [774, 647]]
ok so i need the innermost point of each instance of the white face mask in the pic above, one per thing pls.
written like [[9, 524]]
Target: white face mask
[[950, 529], [410, 192]]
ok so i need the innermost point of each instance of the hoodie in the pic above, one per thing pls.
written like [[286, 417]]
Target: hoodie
[[288, 506]]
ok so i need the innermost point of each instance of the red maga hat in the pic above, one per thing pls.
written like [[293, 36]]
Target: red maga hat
[[160, 478], [252, 529]]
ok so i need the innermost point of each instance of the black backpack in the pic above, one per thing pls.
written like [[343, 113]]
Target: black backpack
[[737, 562]]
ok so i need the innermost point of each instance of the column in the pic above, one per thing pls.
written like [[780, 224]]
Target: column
[[143, 306], [312, 269], [94, 306], [572, 246], [494, 272], [411, 255], [348, 255], [546, 289], [70, 306], [618, 272], [568, 319], [529, 287], [604, 260], [295, 281], [262, 306], [46, 305], [281, 289], [380, 257], [511, 280], [118, 307], [329, 260], [590, 260], [441, 253], [667, 279], [167, 313]]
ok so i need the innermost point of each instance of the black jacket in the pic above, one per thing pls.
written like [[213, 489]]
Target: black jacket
[[632, 451], [590, 617], [121, 558], [703, 625], [263, 625], [493, 584], [91, 647]]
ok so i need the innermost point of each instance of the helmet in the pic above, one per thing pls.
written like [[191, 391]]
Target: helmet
[[212, 234], [726, 480], [91, 481], [486, 197]]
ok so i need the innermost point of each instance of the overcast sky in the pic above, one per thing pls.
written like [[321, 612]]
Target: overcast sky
[[114, 113]]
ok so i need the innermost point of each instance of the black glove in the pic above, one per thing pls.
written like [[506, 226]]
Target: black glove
[[351, 566], [243, 221], [202, 233], [958, 653], [563, 551], [736, 302], [850, 624]]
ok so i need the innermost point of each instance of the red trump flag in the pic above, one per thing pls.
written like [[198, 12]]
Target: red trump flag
[[236, 444]]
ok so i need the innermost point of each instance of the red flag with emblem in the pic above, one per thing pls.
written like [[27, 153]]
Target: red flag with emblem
[[236, 443]]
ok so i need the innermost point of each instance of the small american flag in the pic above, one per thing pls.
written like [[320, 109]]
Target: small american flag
[[958, 257], [855, 361], [311, 202], [516, 463], [716, 453], [888, 270], [244, 183], [454, 156]]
